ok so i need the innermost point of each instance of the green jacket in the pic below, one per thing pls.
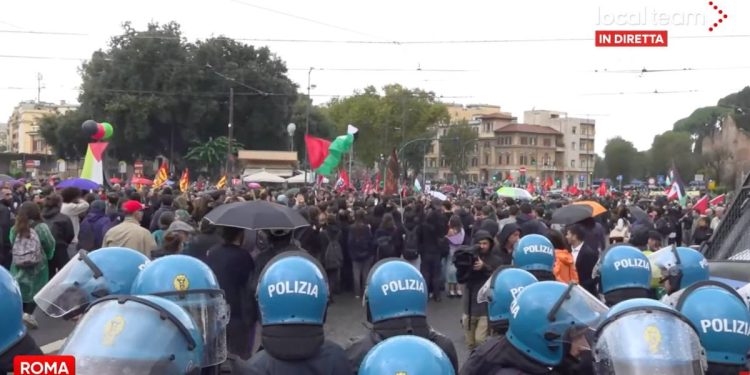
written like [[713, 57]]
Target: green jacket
[[32, 280]]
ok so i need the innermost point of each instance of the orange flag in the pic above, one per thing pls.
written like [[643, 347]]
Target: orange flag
[[185, 181], [161, 176]]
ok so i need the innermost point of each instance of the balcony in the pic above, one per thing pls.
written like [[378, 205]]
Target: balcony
[[588, 135]]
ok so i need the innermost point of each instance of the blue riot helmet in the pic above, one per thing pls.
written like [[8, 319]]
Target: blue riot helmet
[[644, 336], [548, 314], [724, 328], [623, 272], [89, 276], [681, 266], [395, 289], [192, 285], [406, 354], [135, 335], [292, 289], [499, 292], [12, 329], [292, 298], [534, 252]]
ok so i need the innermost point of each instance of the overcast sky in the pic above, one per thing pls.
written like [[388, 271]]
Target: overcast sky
[[519, 74]]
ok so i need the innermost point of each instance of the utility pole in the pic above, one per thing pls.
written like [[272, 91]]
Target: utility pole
[[39, 87], [307, 119], [231, 120]]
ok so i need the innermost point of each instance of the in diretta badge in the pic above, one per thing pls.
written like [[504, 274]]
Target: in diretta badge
[[181, 282]]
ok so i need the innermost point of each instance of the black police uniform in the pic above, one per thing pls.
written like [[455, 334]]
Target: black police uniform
[[330, 359], [497, 356], [24, 346]]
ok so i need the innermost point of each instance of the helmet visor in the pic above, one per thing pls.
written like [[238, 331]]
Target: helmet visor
[[664, 258], [109, 339], [210, 313], [76, 285], [648, 342], [579, 306], [485, 292]]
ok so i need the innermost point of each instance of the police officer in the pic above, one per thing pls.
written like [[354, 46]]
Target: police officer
[[724, 328], [89, 276], [293, 299], [396, 304], [499, 292], [645, 336], [535, 253], [192, 285], [680, 267], [623, 272], [549, 322], [14, 338], [406, 355], [146, 335]]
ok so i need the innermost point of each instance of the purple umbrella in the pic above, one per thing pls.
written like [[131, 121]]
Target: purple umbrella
[[81, 183]]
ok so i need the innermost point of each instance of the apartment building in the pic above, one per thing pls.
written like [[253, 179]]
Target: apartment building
[[23, 126]]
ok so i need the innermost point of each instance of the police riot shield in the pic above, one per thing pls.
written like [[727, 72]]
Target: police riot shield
[[646, 342]]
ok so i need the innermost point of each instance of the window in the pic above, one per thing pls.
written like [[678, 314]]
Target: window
[[445, 132], [500, 160], [524, 141], [547, 142], [523, 160], [546, 160], [508, 159], [443, 163], [574, 130], [473, 162], [554, 115], [487, 128], [572, 163], [532, 141], [533, 160], [431, 149], [573, 145], [486, 159], [487, 144]]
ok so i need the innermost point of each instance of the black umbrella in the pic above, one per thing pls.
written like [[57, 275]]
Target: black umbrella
[[639, 215], [256, 215]]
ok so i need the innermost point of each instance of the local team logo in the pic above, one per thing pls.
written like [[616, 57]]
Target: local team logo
[[112, 329]]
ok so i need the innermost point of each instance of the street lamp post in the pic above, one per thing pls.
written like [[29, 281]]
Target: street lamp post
[[290, 129], [229, 131]]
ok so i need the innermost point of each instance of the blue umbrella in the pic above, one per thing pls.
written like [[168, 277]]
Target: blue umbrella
[[81, 183]]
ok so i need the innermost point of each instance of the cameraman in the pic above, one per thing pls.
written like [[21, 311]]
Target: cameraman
[[474, 266]]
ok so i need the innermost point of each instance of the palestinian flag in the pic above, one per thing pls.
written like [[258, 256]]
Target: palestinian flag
[[417, 186], [677, 188]]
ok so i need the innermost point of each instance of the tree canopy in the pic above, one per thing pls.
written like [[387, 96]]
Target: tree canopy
[[456, 149], [161, 92], [620, 158], [385, 120]]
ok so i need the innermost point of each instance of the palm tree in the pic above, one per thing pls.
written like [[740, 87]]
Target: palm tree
[[211, 154]]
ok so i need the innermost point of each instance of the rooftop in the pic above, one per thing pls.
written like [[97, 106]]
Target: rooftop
[[498, 115], [527, 128]]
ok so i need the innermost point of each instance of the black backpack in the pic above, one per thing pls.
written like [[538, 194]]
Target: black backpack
[[385, 247], [333, 257], [411, 244]]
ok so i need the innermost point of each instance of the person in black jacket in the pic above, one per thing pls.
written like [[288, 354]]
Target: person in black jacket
[[61, 228], [330, 232], [584, 256], [6, 202], [528, 222], [485, 261], [166, 206], [434, 246], [506, 243], [233, 267], [361, 247]]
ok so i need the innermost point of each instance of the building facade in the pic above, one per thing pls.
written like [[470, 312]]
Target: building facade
[[578, 153], [3, 137], [23, 126]]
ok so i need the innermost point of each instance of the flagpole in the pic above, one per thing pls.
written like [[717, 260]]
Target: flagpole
[[351, 157]]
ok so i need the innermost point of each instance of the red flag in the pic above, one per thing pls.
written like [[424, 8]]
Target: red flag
[[718, 200], [391, 186], [343, 182], [701, 205], [317, 150], [530, 188], [602, 189], [573, 190]]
